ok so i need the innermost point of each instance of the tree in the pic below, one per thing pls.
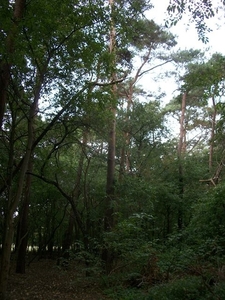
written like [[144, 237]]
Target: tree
[[107, 256], [146, 44], [205, 81]]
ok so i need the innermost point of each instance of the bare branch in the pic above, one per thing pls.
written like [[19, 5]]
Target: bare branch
[[111, 82]]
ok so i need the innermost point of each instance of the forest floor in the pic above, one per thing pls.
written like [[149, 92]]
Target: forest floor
[[45, 280]]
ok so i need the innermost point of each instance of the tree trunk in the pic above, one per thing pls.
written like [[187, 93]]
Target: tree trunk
[[77, 186], [211, 148], [182, 138], [67, 240], [52, 226], [23, 226], [180, 152], [5, 66], [107, 255], [125, 155]]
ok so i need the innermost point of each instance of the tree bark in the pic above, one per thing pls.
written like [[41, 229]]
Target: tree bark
[[67, 240], [180, 152], [211, 148], [107, 255], [23, 226], [182, 137], [125, 155], [75, 196], [5, 66]]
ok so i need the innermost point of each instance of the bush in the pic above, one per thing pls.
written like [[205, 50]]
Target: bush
[[126, 294], [189, 288]]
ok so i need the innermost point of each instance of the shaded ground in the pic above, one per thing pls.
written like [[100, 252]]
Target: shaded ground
[[44, 280]]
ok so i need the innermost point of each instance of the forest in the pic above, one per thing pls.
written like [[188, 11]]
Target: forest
[[106, 190]]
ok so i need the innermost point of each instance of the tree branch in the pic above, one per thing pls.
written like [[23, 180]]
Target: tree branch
[[109, 83]]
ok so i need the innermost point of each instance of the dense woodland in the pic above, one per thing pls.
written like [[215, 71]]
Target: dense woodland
[[91, 172]]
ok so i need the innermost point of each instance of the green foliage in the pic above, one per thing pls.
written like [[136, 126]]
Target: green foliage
[[147, 34], [184, 57], [188, 288], [206, 76], [118, 293], [88, 259], [208, 217]]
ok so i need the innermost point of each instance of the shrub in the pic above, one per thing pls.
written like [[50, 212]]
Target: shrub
[[189, 288]]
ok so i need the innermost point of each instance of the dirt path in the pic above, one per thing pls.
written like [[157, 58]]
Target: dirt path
[[44, 280]]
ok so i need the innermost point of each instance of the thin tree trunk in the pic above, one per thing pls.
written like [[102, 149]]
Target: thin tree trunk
[[107, 255], [125, 155], [77, 185], [67, 240], [182, 137], [75, 196], [211, 148], [181, 151], [51, 233], [122, 163], [23, 226]]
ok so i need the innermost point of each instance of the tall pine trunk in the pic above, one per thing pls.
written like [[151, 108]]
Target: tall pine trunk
[[107, 255]]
